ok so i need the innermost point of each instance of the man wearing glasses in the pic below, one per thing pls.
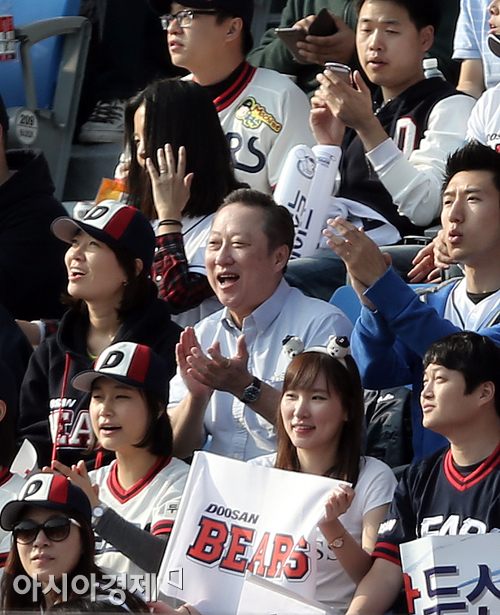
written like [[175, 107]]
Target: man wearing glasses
[[264, 114]]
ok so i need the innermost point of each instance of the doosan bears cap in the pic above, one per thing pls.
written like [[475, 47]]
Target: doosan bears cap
[[132, 364], [52, 491], [115, 224]]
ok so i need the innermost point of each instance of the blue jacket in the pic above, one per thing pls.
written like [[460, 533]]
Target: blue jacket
[[389, 344]]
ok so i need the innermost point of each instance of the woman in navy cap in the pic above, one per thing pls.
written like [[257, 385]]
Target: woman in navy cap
[[112, 298], [137, 496], [53, 540]]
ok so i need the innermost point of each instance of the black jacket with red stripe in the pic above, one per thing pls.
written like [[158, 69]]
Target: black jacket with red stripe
[[47, 387]]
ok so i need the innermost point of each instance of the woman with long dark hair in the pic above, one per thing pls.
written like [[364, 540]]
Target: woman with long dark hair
[[180, 171], [53, 540], [112, 298], [319, 432]]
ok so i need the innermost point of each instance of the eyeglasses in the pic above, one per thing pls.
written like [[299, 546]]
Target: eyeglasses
[[56, 529], [184, 19]]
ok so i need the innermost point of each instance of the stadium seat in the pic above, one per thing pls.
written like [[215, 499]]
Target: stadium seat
[[41, 89], [346, 299]]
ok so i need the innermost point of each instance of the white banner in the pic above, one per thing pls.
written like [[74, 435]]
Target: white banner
[[452, 574], [236, 517], [262, 597]]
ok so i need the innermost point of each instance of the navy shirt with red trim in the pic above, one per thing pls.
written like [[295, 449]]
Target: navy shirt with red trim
[[435, 497]]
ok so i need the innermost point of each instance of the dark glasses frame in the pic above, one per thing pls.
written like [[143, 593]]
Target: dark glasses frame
[[51, 528], [185, 17]]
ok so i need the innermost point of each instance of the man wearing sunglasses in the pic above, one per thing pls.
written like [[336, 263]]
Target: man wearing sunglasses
[[264, 114]]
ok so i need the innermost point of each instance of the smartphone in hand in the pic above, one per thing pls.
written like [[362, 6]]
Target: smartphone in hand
[[323, 25]]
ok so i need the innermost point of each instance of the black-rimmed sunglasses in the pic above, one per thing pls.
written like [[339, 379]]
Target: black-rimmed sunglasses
[[56, 529], [184, 18]]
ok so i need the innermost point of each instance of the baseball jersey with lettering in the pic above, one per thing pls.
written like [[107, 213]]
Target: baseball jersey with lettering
[[151, 504], [437, 498], [263, 114]]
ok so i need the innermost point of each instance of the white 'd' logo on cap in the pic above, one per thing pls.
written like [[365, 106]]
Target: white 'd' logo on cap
[[37, 488], [116, 359], [101, 214]]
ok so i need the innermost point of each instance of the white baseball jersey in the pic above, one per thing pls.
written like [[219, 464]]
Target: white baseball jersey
[[484, 121], [151, 504], [264, 114]]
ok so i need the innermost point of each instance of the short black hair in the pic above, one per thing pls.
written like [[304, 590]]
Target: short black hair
[[4, 120], [277, 220], [473, 156], [475, 356], [158, 439], [422, 13]]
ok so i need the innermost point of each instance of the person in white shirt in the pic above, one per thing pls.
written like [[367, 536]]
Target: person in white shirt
[[262, 112], [230, 366], [319, 432]]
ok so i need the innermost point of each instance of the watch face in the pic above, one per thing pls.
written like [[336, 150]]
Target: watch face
[[98, 511], [251, 394]]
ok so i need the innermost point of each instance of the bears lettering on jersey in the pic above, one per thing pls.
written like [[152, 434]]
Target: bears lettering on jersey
[[71, 429]]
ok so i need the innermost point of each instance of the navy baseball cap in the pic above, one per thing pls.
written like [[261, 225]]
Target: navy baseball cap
[[235, 8], [52, 491], [115, 224], [132, 364]]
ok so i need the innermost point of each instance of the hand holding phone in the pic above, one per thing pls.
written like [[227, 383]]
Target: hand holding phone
[[312, 44], [341, 70]]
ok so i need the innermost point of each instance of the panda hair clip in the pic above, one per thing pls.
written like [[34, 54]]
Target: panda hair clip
[[337, 347]]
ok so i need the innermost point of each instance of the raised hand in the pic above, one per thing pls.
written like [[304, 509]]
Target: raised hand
[[171, 186]]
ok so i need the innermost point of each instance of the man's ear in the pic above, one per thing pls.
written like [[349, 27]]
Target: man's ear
[[281, 256], [487, 392], [234, 28], [427, 37]]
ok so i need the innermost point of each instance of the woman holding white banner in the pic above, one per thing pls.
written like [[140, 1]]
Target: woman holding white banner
[[319, 432]]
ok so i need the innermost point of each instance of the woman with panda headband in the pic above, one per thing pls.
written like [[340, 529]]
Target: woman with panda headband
[[319, 432]]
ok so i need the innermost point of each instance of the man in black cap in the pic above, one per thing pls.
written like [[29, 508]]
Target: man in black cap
[[264, 114], [32, 274]]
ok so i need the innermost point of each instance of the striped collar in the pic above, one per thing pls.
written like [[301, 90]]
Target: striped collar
[[235, 85], [124, 495], [461, 483]]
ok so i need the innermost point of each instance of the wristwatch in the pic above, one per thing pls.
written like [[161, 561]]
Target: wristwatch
[[338, 542], [252, 392], [97, 513]]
